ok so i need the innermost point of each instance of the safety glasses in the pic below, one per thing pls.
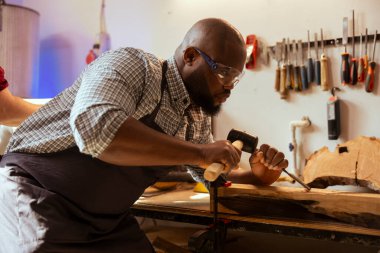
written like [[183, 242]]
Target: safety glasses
[[227, 76]]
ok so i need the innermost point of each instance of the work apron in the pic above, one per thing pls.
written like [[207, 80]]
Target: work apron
[[70, 202]]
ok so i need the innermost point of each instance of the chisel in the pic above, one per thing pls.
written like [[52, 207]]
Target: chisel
[[289, 68], [310, 65], [365, 57], [361, 70], [354, 64], [283, 90], [297, 69], [345, 68], [370, 80], [324, 77], [304, 80], [277, 56], [317, 63]]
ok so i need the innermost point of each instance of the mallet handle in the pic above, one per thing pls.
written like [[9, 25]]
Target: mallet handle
[[214, 170]]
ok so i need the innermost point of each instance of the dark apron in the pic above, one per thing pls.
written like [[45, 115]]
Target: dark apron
[[70, 202]]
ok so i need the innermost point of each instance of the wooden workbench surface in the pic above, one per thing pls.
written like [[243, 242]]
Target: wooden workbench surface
[[185, 201]]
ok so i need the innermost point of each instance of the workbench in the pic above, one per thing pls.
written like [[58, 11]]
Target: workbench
[[185, 205]]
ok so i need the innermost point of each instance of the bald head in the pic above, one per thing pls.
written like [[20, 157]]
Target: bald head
[[209, 87], [217, 38]]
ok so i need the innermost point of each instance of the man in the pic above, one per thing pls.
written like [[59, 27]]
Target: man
[[76, 166]]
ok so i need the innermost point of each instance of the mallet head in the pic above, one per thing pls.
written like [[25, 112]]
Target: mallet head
[[249, 141]]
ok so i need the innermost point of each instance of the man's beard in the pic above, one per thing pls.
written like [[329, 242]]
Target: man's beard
[[200, 93]]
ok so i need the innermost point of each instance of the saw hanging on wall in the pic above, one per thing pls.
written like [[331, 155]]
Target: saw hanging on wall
[[103, 40]]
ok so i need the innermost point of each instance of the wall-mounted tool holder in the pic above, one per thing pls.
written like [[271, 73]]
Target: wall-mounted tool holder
[[335, 42]]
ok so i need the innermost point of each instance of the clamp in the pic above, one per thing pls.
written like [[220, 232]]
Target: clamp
[[213, 238]]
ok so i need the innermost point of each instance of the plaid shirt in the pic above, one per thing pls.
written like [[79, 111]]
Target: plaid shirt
[[119, 84]]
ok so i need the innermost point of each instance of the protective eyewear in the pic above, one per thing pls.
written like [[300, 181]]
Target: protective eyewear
[[228, 76]]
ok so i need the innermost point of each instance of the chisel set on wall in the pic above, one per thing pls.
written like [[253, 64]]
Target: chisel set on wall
[[295, 73]]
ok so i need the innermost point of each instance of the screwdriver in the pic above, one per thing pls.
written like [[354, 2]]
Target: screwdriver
[[370, 80], [297, 69], [289, 68], [361, 70], [310, 65], [354, 64], [317, 64], [324, 81], [345, 64], [304, 80]]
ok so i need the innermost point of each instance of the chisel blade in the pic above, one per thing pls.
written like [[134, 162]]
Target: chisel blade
[[345, 33], [278, 51]]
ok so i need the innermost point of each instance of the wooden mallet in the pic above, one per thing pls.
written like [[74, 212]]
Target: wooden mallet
[[240, 140]]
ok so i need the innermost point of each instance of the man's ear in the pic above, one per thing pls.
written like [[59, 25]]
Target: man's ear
[[189, 55]]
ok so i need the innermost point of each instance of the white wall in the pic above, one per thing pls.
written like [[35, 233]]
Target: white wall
[[68, 29]]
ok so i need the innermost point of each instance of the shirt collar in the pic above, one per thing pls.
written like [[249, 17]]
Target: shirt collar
[[177, 90]]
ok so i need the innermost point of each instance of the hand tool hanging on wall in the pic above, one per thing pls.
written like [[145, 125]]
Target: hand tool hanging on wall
[[2, 2], [297, 68], [252, 49], [365, 57], [310, 65], [333, 115], [317, 63], [103, 40], [283, 90], [324, 66], [277, 56], [345, 68], [370, 80], [303, 67], [354, 64], [361, 70], [289, 67]]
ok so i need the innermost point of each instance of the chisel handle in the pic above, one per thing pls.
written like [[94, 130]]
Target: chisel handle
[[345, 69], [365, 59], [214, 170], [283, 91], [370, 80], [277, 79], [324, 74], [317, 73], [354, 71], [297, 78], [305, 82], [289, 76], [361, 71]]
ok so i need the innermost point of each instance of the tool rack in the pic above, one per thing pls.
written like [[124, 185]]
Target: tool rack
[[335, 42]]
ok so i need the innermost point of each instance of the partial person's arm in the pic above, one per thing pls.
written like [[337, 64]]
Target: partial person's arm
[[13, 110]]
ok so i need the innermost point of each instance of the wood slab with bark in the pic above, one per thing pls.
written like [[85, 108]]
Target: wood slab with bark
[[356, 162], [362, 209]]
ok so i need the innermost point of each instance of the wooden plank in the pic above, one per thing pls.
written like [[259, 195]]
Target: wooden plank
[[361, 209]]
